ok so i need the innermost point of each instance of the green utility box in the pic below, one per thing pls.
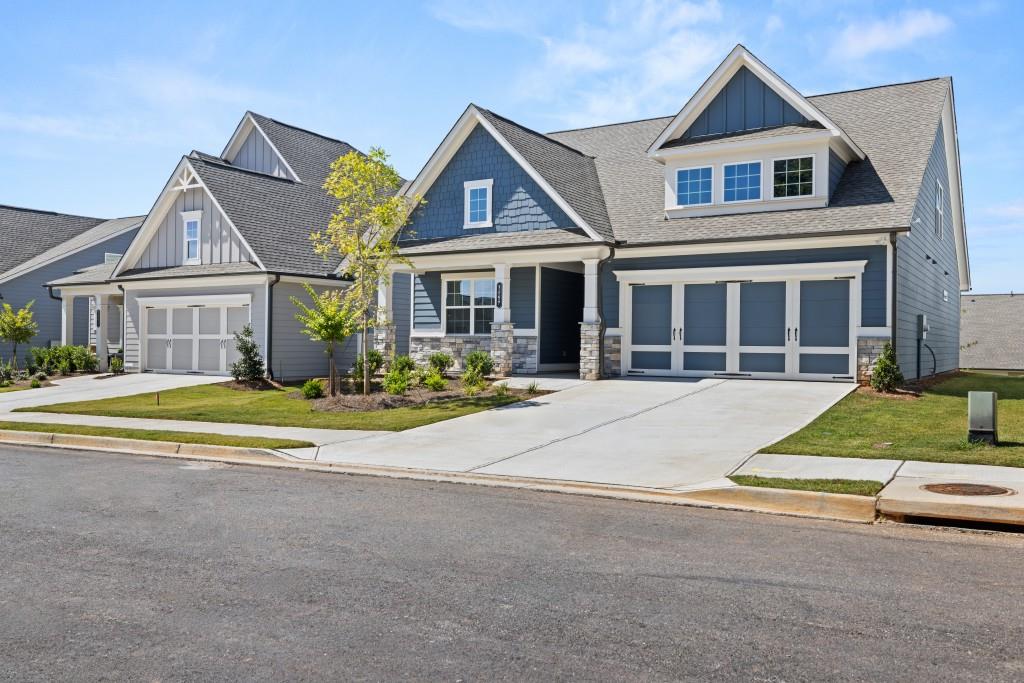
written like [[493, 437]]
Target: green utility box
[[981, 416]]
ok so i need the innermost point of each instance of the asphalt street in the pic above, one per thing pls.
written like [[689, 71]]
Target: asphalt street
[[116, 567]]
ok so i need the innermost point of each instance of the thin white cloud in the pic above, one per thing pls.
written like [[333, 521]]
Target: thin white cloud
[[1009, 210], [773, 24], [862, 39]]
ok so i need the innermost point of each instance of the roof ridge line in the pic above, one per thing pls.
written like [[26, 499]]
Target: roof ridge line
[[878, 87], [537, 133], [52, 213], [300, 128], [217, 161], [609, 125]]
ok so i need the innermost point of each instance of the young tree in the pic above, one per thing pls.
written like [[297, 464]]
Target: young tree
[[17, 327], [331, 320], [364, 230], [249, 366]]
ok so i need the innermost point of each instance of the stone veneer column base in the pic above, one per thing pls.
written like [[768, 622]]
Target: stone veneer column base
[[384, 340], [502, 348], [612, 355], [525, 356], [590, 350], [868, 351]]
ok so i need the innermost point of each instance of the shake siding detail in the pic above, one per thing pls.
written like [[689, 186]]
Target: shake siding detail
[[925, 267]]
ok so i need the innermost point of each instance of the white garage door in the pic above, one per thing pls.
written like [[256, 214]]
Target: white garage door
[[196, 338]]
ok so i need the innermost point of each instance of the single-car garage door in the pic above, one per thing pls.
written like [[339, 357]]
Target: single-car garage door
[[197, 338]]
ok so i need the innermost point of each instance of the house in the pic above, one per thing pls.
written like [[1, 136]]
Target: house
[[756, 233], [39, 246], [992, 332], [227, 243]]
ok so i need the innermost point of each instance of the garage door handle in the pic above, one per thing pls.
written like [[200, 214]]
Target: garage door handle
[[796, 334], [788, 330], [673, 334]]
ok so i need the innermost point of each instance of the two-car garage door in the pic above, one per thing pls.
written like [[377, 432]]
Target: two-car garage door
[[197, 338]]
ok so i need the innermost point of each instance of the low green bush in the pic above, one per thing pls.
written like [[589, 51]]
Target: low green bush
[[480, 362], [501, 390], [6, 371], [396, 382], [312, 388], [886, 375], [64, 359], [472, 381], [403, 364], [35, 383], [435, 381], [116, 365], [376, 361], [441, 361], [42, 376]]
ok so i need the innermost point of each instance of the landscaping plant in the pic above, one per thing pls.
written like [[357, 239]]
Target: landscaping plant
[[249, 366], [479, 361], [396, 382], [403, 363], [116, 365], [313, 388], [501, 390], [441, 361], [886, 375], [331, 320], [472, 381], [17, 327], [375, 359], [35, 383], [435, 381], [533, 388], [6, 371]]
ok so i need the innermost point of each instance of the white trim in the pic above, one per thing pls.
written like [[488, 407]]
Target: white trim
[[675, 187], [87, 290], [238, 139], [728, 145], [939, 209], [870, 239], [956, 196], [329, 281], [740, 56], [451, 143], [524, 332], [469, 185], [874, 331], [760, 189], [510, 257], [195, 300], [186, 218], [814, 181], [735, 273], [193, 282]]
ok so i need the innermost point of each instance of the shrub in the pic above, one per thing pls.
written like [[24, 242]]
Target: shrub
[[312, 388], [480, 361], [417, 376], [82, 358], [41, 358], [4, 384], [472, 381], [886, 375], [403, 364], [501, 390], [41, 376], [396, 382], [435, 381], [64, 367], [6, 371], [441, 361], [35, 383], [533, 388], [249, 366], [376, 361], [116, 365]]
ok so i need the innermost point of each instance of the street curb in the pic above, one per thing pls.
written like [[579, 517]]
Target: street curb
[[831, 506]]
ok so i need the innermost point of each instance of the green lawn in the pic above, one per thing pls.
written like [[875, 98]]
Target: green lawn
[[155, 435], [855, 487], [217, 403], [931, 428]]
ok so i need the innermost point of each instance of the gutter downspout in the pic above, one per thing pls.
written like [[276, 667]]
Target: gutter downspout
[[895, 278], [270, 324], [124, 328], [600, 312]]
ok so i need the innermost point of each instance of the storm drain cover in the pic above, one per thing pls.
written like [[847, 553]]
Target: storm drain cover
[[968, 489]]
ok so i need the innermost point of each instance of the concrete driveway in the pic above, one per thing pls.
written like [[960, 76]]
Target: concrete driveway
[[88, 388], [660, 433]]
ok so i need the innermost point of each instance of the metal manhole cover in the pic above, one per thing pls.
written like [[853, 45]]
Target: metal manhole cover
[[968, 489]]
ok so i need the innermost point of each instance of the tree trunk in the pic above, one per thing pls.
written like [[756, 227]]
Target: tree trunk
[[366, 354], [15, 359], [330, 368]]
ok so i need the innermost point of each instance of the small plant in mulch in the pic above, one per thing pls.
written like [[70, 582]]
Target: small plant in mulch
[[441, 361], [886, 375], [376, 362], [396, 381], [249, 368], [434, 380], [313, 389]]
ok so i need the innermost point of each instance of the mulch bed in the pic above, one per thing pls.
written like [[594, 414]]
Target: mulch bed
[[349, 401], [251, 385]]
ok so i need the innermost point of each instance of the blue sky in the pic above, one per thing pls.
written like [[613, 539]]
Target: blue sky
[[100, 100]]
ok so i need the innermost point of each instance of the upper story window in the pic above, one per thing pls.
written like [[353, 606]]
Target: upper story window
[[742, 182], [478, 203], [940, 208], [469, 306], [192, 221], [693, 186], [793, 177]]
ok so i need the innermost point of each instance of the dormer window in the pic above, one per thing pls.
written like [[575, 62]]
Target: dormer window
[[742, 182], [693, 186], [793, 177], [478, 203], [191, 221]]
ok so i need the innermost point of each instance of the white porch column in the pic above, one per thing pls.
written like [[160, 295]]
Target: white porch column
[[384, 334], [67, 320], [383, 299], [502, 279], [590, 285], [99, 323]]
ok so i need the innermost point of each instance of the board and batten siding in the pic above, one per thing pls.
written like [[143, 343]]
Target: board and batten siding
[[745, 103], [293, 355], [256, 154], [46, 311], [927, 277], [133, 313], [873, 281], [522, 298], [401, 311], [218, 242]]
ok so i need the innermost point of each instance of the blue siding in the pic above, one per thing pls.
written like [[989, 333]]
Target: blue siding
[[561, 310], [426, 311], [873, 283], [920, 282], [401, 311], [522, 298], [518, 202], [745, 103], [836, 166]]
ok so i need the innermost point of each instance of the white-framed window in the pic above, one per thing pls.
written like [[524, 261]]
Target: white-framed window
[[693, 186], [477, 202], [742, 182], [468, 304], [940, 209], [793, 177], [192, 222]]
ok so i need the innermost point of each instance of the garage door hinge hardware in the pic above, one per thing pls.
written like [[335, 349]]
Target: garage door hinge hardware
[[637, 284], [196, 306], [842, 376], [732, 374], [730, 282], [845, 277]]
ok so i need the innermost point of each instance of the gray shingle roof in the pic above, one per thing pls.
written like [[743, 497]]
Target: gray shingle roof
[[93, 275], [992, 331], [89, 237], [27, 233]]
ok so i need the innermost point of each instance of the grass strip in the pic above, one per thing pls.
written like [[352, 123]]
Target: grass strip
[[855, 487], [157, 435]]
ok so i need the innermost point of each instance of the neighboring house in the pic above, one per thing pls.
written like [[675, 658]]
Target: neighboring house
[[992, 332], [756, 233], [39, 246], [227, 243]]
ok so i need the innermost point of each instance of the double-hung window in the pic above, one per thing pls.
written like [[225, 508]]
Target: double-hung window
[[469, 306], [793, 177], [940, 208], [478, 202], [742, 182], [192, 222], [693, 186]]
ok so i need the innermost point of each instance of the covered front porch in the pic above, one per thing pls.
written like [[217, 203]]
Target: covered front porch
[[533, 311], [103, 322]]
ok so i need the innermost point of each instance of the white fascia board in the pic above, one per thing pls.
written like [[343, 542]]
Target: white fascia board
[[726, 145], [192, 282], [722, 273], [196, 300], [247, 124], [87, 290], [14, 274], [740, 56], [951, 143], [453, 141], [510, 257], [314, 280], [872, 239]]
